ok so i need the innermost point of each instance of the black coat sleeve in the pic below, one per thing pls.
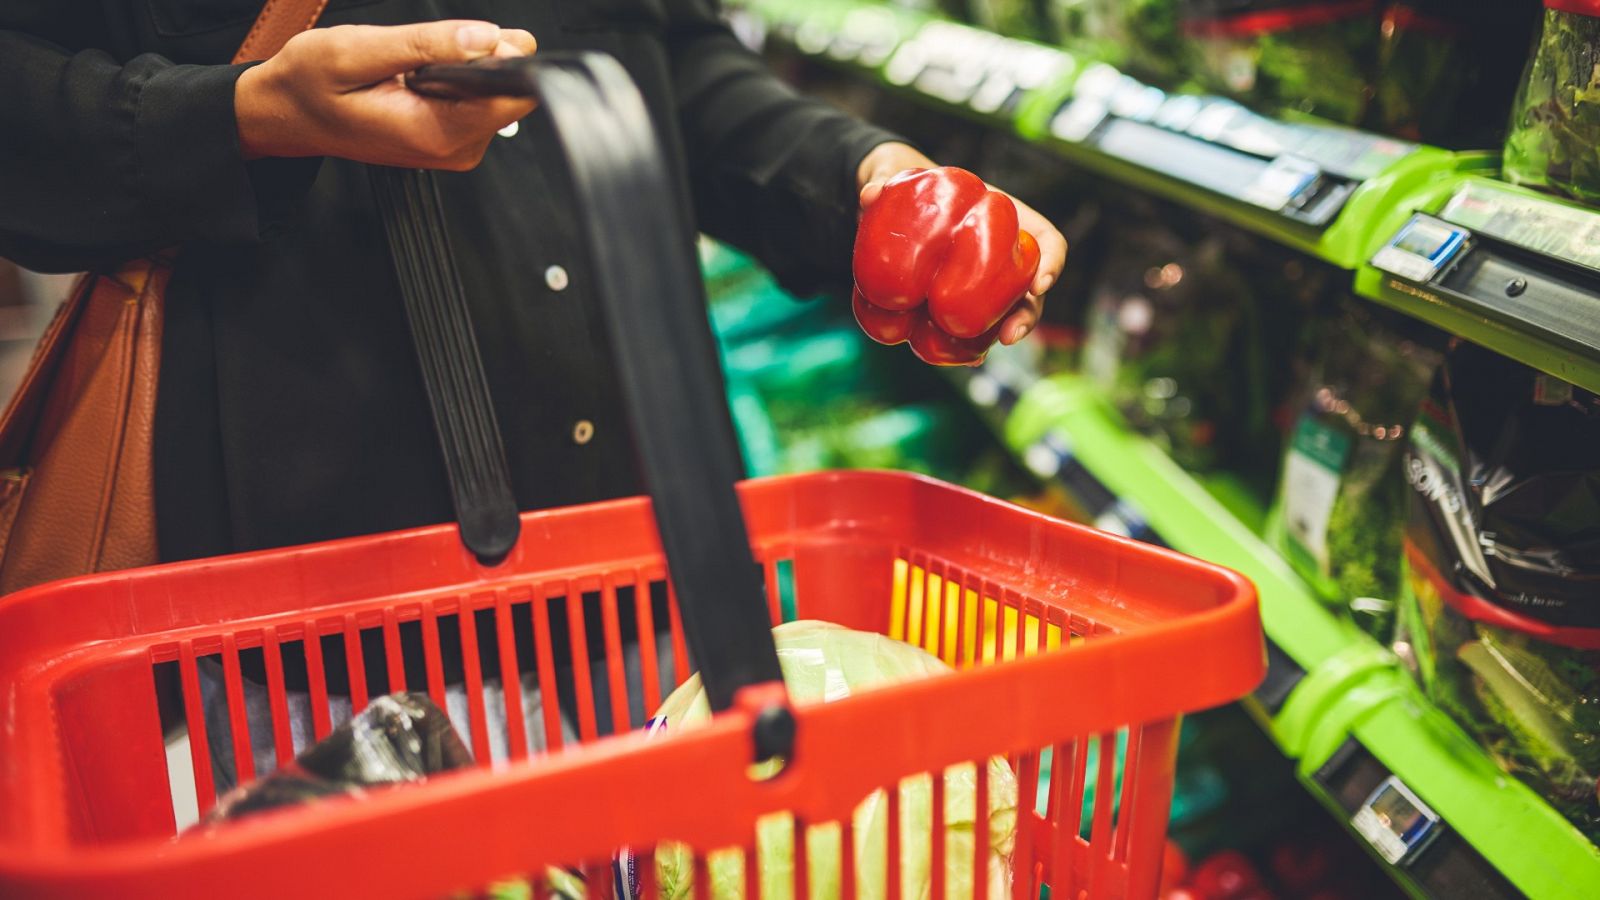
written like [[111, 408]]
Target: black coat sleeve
[[101, 161], [772, 172]]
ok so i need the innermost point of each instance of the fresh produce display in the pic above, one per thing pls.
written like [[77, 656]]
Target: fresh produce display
[[1305, 55], [821, 663], [1342, 496], [1501, 619], [1012, 18], [939, 261], [1141, 37], [1447, 70], [1172, 338], [1554, 140]]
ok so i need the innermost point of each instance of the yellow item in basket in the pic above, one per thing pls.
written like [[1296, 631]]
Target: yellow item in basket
[[821, 663]]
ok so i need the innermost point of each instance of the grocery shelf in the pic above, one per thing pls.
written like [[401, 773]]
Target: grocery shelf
[[1334, 701], [1334, 193], [1505, 267], [1312, 186]]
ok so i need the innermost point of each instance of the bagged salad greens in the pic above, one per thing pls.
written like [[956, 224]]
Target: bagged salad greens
[[1554, 138], [823, 662], [1341, 504], [1140, 37], [1173, 340], [1447, 68], [1500, 618], [1307, 55]]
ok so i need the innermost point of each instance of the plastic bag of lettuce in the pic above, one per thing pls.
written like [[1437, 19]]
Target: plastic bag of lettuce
[[821, 663], [1501, 615], [1341, 501], [1554, 141]]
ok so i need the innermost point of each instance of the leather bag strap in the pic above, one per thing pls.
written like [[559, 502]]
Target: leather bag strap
[[279, 21]]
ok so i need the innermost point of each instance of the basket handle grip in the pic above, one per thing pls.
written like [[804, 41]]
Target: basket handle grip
[[639, 241]]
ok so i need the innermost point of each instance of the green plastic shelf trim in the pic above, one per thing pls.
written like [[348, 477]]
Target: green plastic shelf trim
[[1496, 334], [1178, 508], [1353, 687]]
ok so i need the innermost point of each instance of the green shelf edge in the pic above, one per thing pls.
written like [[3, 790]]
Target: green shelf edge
[[1352, 687]]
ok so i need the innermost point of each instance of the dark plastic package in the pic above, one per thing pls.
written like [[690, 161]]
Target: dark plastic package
[[398, 738], [1501, 614], [1446, 69]]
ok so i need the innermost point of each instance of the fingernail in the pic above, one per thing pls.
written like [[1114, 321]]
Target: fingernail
[[479, 38], [1014, 334], [1045, 284]]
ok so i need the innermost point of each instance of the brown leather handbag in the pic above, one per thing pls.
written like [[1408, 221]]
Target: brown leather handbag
[[76, 476]]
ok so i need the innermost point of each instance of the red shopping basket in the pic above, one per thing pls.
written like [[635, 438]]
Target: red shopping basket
[[1091, 634]]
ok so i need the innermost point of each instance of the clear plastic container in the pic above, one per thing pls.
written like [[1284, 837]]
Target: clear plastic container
[[1554, 139]]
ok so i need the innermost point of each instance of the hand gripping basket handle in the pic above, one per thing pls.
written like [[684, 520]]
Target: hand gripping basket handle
[[631, 216]]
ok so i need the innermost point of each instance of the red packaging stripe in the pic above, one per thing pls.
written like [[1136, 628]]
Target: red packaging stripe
[[1480, 610], [1589, 8], [1271, 20]]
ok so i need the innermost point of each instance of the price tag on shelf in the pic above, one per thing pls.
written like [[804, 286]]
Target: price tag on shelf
[[1281, 182], [1536, 223], [1421, 249], [1395, 821]]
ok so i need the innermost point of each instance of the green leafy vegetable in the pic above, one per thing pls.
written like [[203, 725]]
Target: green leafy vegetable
[[1554, 141]]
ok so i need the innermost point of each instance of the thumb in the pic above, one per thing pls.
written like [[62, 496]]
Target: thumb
[[367, 54], [870, 192]]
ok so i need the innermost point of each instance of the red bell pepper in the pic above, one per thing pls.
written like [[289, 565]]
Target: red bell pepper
[[940, 260]]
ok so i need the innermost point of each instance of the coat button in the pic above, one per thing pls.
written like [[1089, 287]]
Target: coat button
[[555, 278], [582, 432], [510, 130]]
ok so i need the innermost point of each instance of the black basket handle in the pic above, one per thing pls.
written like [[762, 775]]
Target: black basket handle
[[632, 219]]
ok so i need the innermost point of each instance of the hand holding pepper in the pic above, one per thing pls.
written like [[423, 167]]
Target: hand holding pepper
[[946, 263]]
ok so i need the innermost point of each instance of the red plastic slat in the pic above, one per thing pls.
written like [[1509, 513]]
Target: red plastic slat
[[194, 714], [980, 827], [936, 837], [892, 852], [317, 678], [644, 614], [680, 649], [244, 761], [578, 641], [472, 668], [616, 672], [393, 653], [355, 665], [432, 661], [277, 697], [510, 677], [544, 650]]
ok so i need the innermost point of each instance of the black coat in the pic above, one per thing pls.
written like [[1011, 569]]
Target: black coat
[[291, 408]]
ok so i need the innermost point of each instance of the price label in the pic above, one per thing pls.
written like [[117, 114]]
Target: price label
[[1395, 821], [1420, 249]]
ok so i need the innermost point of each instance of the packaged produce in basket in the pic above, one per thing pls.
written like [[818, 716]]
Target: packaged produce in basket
[[1446, 69], [396, 739], [1141, 37], [821, 663], [1501, 616], [1314, 56], [1173, 339], [1554, 139], [1341, 503]]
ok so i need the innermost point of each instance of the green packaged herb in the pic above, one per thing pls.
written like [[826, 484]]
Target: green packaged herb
[[1140, 37], [1554, 139], [1341, 500], [1274, 55]]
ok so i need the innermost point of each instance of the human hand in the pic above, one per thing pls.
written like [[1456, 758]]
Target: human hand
[[338, 92], [890, 159]]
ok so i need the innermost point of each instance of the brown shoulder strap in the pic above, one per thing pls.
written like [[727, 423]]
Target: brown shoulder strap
[[279, 21]]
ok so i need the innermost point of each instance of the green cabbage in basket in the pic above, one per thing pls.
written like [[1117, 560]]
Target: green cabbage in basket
[[821, 663]]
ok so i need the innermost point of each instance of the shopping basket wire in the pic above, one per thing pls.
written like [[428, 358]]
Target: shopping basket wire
[[1064, 640]]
